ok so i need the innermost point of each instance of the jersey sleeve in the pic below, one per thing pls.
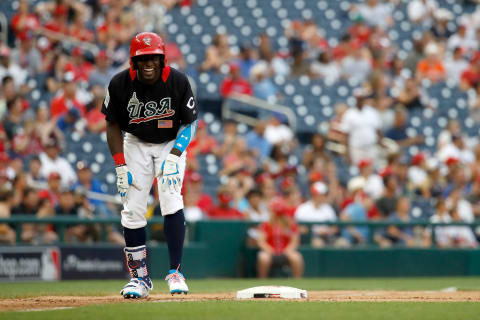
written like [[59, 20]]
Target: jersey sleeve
[[188, 105], [109, 105]]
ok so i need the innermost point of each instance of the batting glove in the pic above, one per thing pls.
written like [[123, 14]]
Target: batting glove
[[125, 179], [171, 175]]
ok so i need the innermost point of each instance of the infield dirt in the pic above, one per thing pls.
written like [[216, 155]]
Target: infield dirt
[[55, 302]]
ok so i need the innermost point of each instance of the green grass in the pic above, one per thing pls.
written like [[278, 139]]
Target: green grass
[[231, 310], [108, 287], [251, 310]]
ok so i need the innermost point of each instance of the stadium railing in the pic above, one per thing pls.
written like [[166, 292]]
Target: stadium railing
[[238, 106], [62, 222]]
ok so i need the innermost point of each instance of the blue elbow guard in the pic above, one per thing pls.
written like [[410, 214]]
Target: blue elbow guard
[[185, 136]]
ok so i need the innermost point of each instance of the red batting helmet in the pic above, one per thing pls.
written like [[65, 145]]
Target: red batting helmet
[[146, 43]]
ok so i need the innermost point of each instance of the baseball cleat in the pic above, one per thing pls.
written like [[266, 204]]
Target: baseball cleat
[[176, 282], [137, 288]]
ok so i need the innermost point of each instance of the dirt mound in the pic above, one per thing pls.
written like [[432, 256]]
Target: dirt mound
[[60, 302]]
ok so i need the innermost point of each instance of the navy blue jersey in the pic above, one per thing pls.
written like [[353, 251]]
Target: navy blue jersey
[[155, 112]]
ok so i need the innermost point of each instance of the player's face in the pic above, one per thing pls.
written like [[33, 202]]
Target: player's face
[[149, 68]]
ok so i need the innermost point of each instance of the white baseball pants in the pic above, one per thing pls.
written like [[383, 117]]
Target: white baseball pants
[[145, 160]]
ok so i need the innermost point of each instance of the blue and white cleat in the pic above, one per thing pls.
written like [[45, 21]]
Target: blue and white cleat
[[176, 282], [137, 288]]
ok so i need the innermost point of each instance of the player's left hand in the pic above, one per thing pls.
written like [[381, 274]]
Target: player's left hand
[[170, 174]]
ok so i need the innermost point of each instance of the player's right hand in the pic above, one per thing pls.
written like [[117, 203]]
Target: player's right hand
[[125, 179]]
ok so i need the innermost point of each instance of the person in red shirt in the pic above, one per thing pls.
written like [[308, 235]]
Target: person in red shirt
[[193, 185], [224, 210], [24, 22], [278, 241], [234, 83], [203, 143], [471, 76], [79, 66], [65, 101]]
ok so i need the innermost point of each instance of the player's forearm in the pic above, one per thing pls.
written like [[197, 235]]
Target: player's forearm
[[184, 137], [115, 140]]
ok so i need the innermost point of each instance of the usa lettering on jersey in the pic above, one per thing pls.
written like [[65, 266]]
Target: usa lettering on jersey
[[143, 112]]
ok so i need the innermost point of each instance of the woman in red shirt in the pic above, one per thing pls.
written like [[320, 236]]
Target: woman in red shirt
[[278, 241]]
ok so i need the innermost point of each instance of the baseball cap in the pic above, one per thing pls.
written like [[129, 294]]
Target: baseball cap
[[451, 161], [82, 165], [318, 188], [54, 175], [43, 194], [356, 183], [364, 163], [418, 158]]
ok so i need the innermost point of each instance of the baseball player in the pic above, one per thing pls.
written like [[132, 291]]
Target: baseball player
[[154, 105]]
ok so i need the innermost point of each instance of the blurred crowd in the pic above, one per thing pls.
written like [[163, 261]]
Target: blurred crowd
[[260, 180]]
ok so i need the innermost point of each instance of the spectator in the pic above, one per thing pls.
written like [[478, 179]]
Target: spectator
[[357, 64], [103, 72], [194, 187], [202, 143], [263, 86], [411, 95], [362, 125], [34, 178], [431, 67], [440, 29], [28, 57], [316, 151], [421, 11], [278, 132], [67, 207], [53, 162], [457, 150], [246, 60], [398, 132], [317, 209], [95, 119], [373, 182], [399, 236], [224, 209], [67, 99], [356, 211], [461, 40], [460, 236], [24, 22], [325, 68], [387, 203], [299, 65], [149, 15], [29, 206], [471, 76], [256, 140], [193, 212], [14, 121], [234, 83], [217, 54], [376, 13], [8, 67], [68, 121], [415, 55], [7, 234], [174, 55], [257, 210], [456, 65], [278, 241], [77, 28]]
